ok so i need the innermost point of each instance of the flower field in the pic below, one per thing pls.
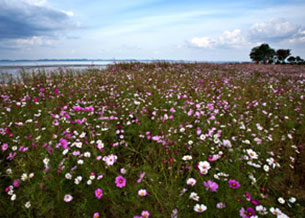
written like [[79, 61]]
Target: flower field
[[154, 140]]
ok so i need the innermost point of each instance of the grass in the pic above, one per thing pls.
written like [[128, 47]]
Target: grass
[[67, 134]]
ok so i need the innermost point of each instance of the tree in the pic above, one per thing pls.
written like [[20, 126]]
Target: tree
[[282, 54], [262, 53], [291, 59], [299, 60]]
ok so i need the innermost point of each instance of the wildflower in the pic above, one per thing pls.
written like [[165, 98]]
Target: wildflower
[[187, 157], [266, 168], [145, 214], [123, 170], [191, 181], [120, 181], [252, 154], [220, 205], [98, 193], [292, 200], [262, 210], [96, 215], [213, 186], [16, 183], [68, 176], [234, 184], [248, 196], [46, 161], [13, 197], [275, 211], [68, 198], [89, 182], [281, 200], [204, 166], [110, 159], [202, 137], [87, 154], [24, 176], [199, 208], [28, 204], [250, 212], [142, 192], [194, 196], [141, 177]]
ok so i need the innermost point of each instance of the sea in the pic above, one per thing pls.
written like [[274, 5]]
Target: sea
[[14, 67]]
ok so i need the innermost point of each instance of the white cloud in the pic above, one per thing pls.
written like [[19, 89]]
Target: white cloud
[[273, 30], [35, 40], [228, 39], [203, 42]]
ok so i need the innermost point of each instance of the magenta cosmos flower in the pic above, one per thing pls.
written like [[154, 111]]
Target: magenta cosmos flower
[[233, 184], [96, 215], [120, 181], [98, 193], [211, 185]]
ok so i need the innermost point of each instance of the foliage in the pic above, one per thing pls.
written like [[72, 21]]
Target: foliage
[[262, 53], [282, 54]]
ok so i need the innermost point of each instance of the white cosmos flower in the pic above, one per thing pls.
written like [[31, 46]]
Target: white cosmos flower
[[68, 176], [28, 204], [275, 211], [187, 157], [68, 198], [191, 181], [13, 198], [199, 208], [202, 137], [281, 200], [262, 210], [252, 154], [204, 166], [292, 199], [194, 196]]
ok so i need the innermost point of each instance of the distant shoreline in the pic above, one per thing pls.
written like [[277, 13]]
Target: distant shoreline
[[49, 66]]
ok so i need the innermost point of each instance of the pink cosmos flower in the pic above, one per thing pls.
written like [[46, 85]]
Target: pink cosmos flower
[[16, 183], [234, 184], [98, 193], [211, 185], [141, 177], [120, 181], [145, 214], [96, 215]]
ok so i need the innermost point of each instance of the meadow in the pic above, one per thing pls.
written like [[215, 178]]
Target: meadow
[[154, 140]]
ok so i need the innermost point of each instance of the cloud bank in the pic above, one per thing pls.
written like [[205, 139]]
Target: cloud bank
[[271, 31], [31, 18]]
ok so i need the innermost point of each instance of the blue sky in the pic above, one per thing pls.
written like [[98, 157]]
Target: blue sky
[[198, 30]]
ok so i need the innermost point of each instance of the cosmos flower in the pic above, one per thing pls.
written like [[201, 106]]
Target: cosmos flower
[[120, 181], [210, 185], [68, 198], [142, 192], [98, 193], [145, 213], [194, 196], [234, 184], [199, 208], [191, 181]]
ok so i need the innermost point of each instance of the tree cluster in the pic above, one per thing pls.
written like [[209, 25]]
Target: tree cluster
[[265, 54]]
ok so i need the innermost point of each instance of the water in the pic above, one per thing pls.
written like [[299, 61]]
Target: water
[[29, 66]]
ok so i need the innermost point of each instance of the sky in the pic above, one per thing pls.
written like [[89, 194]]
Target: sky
[[196, 30]]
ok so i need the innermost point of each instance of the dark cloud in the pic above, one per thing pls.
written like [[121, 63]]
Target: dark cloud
[[20, 19]]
